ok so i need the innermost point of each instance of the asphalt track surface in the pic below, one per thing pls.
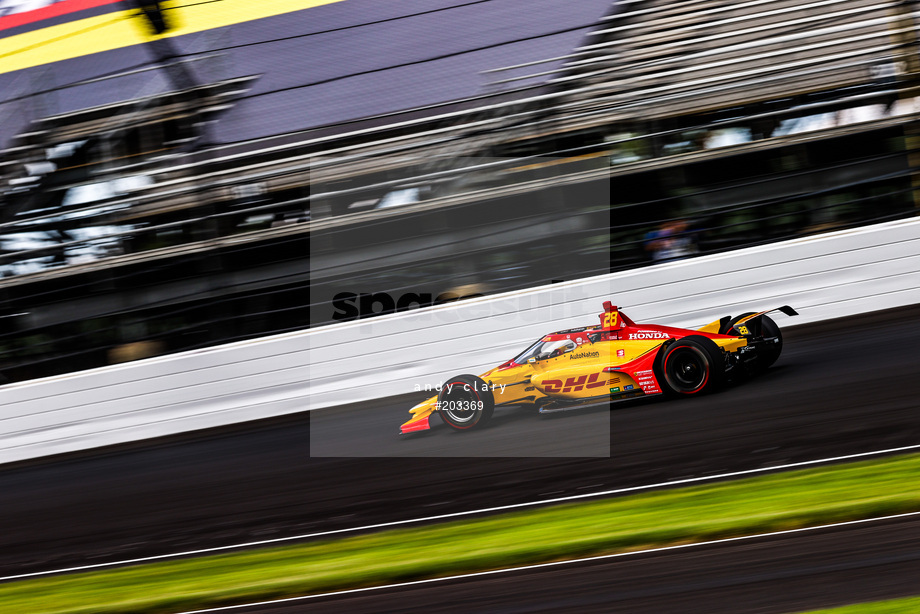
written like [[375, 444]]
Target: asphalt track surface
[[841, 387], [770, 575]]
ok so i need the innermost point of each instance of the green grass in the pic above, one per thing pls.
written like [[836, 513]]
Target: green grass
[[907, 605], [767, 503]]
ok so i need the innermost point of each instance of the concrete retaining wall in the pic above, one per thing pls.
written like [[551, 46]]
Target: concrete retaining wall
[[826, 276]]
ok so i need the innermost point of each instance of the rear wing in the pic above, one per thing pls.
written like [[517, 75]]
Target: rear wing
[[719, 326], [751, 325]]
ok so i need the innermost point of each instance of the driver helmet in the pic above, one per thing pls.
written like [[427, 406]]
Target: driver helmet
[[557, 348]]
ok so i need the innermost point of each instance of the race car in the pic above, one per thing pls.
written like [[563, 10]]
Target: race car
[[614, 360]]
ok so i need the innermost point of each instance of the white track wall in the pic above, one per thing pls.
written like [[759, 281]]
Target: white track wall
[[826, 276]]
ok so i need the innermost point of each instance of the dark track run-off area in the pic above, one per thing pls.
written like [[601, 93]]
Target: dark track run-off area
[[767, 575], [841, 387]]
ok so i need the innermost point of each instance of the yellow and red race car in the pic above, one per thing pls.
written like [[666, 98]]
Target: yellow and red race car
[[612, 361]]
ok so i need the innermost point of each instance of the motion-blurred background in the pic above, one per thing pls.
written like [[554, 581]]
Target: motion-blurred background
[[177, 175]]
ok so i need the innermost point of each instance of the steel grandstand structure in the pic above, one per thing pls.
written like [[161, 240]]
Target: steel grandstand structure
[[182, 176]]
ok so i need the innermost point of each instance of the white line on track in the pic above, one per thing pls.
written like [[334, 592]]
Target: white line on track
[[485, 510], [601, 557]]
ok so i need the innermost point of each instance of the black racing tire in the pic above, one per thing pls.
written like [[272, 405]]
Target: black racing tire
[[465, 402], [726, 328], [691, 366], [769, 330], [769, 355]]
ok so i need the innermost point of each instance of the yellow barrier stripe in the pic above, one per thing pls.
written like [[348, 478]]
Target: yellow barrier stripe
[[127, 28]]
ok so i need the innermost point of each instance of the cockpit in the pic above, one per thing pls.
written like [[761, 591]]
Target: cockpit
[[543, 349]]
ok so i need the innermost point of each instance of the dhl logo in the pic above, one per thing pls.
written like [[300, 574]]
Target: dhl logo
[[574, 384]]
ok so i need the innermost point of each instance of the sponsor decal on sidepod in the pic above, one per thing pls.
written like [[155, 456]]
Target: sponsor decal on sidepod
[[576, 355]]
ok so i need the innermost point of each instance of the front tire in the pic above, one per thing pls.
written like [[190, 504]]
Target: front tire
[[465, 402], [691, 366]]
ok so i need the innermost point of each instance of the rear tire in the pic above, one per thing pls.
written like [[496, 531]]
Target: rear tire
[[465, 402], [726, 329], [769, 356], [768, 329], [691, 366]]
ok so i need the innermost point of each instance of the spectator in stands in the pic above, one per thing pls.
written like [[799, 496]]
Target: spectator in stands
[[672, 241]]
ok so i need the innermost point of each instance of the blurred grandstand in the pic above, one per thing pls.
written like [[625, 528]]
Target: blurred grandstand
[[179, 176]]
